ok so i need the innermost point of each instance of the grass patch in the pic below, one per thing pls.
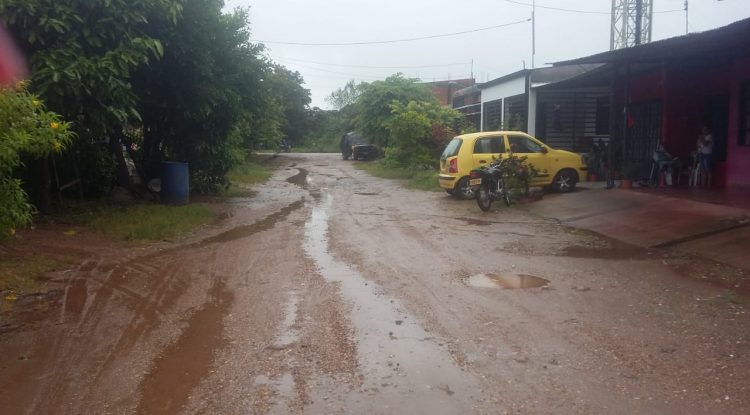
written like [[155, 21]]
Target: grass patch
[[21, 275], [414, 179], [148, 222], [245, 175], [249, 172]]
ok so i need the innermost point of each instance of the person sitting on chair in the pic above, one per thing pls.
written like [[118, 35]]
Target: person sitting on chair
[[705, 154], [665, 162]]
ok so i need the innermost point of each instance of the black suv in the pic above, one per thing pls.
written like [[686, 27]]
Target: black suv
[[355, 145]]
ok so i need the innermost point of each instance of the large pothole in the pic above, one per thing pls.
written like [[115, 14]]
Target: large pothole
[[510, 281]]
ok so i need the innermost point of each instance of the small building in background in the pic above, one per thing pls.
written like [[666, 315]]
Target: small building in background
[[444, 90], [469, 102]]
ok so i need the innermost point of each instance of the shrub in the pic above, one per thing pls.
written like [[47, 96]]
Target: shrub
[[26, 129]]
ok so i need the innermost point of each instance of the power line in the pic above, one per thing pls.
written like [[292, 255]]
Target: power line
[[560, 9], [380, 42], [373, 67], [347, 74]]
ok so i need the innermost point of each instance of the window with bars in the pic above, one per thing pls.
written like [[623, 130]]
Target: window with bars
[[493, 113]]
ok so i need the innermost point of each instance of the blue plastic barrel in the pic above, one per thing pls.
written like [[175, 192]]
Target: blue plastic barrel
[[175, 183]]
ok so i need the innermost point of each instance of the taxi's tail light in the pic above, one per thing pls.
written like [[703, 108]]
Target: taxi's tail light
[[453, 166]]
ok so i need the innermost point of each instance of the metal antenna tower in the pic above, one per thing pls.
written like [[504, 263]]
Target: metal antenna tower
[[631, 23]]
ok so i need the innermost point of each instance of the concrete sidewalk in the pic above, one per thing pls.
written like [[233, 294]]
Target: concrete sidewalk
[[713, 231]]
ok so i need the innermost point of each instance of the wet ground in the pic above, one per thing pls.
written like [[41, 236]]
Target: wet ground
[[330, 291]]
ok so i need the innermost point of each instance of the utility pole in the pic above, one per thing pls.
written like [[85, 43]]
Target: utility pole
[[687, 20], [533, 32]]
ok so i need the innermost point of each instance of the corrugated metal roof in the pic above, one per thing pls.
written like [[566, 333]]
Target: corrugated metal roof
[[730, 40], [500, 80]]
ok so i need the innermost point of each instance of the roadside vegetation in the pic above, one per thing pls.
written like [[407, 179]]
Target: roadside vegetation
[[20, 276], [243, 176], [403, 118], [147, 222], [115, 87]]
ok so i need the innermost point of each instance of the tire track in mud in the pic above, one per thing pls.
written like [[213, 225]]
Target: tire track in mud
[[167, 386], [144, 319], [89, 310]]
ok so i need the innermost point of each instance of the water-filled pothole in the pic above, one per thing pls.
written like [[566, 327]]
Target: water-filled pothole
[[506, 281], [300, 179]]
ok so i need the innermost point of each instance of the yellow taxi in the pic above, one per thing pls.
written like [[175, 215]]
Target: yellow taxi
[[558, 169]]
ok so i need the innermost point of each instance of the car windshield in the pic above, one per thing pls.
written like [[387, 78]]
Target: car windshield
[[357, 139], [452, 148]]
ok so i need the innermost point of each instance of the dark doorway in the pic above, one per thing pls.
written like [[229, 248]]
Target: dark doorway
[[717, 118], [644, 135]]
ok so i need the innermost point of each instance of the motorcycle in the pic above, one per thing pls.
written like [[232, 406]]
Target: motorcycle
[[285, 147], [489, 184]]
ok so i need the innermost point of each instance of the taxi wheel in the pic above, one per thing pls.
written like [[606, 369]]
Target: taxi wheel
[[463, 190], [564, 182]]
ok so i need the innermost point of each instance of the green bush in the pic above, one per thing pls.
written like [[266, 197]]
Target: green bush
[[26, 129], [97, 167], [518, 174], [419, 131]]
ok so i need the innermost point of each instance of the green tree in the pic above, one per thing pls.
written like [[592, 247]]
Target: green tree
[[292, 99], [194, 99], [419, 131], [82, 54], [26, 129], [373, 107], [346, 95]]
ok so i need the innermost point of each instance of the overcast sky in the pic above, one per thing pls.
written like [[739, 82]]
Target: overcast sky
[[560, 35]]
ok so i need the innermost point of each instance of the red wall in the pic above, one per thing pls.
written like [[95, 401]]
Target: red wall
[[683, 91], [685, 112], [738, 157]]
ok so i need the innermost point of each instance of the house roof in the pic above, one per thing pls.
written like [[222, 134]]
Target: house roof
[[556, 74], [730, 40], [452, 82], [508, 77], [467, 91]]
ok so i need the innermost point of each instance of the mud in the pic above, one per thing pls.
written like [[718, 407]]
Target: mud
[[248, 230], [185, 363], [304, 299]]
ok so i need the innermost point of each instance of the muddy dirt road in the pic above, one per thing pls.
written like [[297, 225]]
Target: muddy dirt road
[[335, 292]]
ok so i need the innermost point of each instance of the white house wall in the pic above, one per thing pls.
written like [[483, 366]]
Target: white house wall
[[506, 89]]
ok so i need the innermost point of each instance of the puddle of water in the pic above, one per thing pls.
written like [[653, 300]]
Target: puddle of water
[[405, 353], [511, 281], [300, 179], [187, 361], [366, 194], [248, 230]]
